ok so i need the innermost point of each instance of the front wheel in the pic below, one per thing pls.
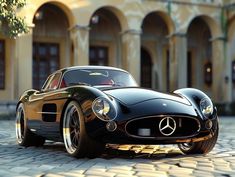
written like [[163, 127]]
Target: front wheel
[[202, 147], [76, 140], [24, 136]]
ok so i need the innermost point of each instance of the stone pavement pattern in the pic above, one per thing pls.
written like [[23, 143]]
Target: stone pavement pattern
[[160, 161]]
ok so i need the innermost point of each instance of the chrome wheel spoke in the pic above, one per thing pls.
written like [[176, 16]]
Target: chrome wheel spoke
[[186, 146], [72, 124], [75, 141], [72, 132], [71, 128], [75, 120]]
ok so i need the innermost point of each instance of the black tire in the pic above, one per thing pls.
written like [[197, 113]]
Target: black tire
[[201, 147], [24, 136], [76, 140]]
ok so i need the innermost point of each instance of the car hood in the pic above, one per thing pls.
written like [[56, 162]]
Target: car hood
[[132, 96]]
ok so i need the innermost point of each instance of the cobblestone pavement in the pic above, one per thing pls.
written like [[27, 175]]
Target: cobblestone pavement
[[52, 160]]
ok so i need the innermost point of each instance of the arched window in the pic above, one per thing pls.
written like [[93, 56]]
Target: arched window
[[50, 42], [104, 38]]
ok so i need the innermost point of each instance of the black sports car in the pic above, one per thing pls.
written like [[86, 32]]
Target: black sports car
[[88, 106]]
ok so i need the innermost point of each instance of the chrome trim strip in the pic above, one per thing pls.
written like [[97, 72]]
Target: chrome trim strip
[[53, 74], [73, 69], [48, 112], [196, 139], [162, 138]]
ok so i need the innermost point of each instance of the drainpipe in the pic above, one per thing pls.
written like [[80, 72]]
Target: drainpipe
[[224, 26], [169, 7]]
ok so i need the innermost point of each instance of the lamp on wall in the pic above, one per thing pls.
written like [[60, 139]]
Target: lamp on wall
[[208, 73], [39, 15], [95, 19]]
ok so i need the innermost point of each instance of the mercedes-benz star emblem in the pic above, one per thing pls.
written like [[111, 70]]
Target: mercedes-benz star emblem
[[167, 126]]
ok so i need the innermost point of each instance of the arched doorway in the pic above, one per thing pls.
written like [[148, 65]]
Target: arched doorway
[[146, 69], [199, 57], [51, 46], [231, 58], [156, 26], [105, 38]]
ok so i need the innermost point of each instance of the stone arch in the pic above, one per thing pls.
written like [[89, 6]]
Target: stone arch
[[211, 22], [166, 18], [200, 34], [51, 42], [156, 27], [105, 38], [118, 14], [64, 7]]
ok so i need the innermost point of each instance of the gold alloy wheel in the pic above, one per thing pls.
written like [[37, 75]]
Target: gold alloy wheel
[[20, 124], [71, 128], [185, 146]]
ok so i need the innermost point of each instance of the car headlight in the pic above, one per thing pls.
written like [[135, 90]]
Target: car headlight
[[104, 109], [206, 107]]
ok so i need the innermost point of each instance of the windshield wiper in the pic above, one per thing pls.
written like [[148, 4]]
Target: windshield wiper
[[79, 83]]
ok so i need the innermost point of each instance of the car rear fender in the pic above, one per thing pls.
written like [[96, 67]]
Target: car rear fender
[[24, 97]]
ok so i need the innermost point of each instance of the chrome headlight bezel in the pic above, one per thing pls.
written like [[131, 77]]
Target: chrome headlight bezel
[[206, 107], [104, 109]]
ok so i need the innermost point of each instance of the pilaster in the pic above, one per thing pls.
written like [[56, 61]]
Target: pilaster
[[131, 44], [80, 38]]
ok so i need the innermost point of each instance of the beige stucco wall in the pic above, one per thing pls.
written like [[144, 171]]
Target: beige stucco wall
[[8, 93], [178, 16]]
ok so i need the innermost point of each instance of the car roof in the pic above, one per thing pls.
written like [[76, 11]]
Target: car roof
[[90, 67]]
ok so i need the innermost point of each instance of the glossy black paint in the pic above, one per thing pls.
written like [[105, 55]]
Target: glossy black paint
[[133, 103]]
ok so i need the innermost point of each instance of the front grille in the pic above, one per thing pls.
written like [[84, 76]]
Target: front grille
[[149, 127]]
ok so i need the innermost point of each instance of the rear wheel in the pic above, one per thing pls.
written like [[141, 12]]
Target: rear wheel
[[202, 147], [24, 136], [76, 140]]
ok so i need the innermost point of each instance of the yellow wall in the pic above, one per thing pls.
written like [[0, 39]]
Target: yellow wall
[[177, 15], [8, 92]]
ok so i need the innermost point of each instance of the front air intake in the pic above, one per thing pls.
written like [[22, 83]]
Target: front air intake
[[153, 127]]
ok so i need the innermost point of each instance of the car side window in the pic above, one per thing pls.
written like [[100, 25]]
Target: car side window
[[53, 82], [45, 85]]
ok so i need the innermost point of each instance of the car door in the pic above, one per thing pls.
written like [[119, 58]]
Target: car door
[[44, 112], [34, 107], [51, 108]]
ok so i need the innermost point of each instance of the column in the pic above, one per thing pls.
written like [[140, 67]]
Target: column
[[23, 62], [131, 52], [219, 83], [80, 39], [178, 61], [228, 73]]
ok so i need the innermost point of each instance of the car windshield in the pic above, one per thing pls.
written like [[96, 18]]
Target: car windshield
[[98, 77]]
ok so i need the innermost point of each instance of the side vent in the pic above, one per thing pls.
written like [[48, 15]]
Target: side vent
[[49, 112]]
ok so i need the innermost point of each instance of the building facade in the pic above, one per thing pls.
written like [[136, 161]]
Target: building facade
[[165, 45]]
